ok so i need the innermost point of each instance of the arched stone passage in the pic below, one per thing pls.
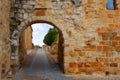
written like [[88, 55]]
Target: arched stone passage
[[90, 34], [16, 36]]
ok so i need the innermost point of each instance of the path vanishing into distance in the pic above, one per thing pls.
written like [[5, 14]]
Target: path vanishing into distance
[[39, 66]]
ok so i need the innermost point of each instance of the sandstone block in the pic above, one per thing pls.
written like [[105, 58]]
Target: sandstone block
[[39, 13], [89, 71], [117, 59], [117, 48], [106, 48], [117, 38], [72, 64], [81, 64], [110, 15], [99, 48], [73, 68], [113, 65], [103, 59], [68, 11], [115, 43]]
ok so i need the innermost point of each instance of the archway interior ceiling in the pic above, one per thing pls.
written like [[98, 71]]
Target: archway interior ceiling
[[90, 31]]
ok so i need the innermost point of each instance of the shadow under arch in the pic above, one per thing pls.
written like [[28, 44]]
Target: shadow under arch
[[60, 57]]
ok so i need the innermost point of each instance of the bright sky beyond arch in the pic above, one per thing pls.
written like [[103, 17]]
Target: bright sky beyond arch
[[39, 31]]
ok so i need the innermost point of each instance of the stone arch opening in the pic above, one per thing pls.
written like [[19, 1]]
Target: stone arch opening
[[23, 26]]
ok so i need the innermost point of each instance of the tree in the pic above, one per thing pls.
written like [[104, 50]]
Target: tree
[[51, 36]]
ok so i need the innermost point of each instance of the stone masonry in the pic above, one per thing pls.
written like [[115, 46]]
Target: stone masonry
[[25, 43], [4, 35], [20, 10], [89, 33]]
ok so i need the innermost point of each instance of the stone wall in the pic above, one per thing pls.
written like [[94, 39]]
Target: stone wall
[[27, 34], [95, 48], [25, 43], [88, 34], [20, 10], [4, 34]]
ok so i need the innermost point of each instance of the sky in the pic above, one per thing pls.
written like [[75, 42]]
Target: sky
[[39, 31]]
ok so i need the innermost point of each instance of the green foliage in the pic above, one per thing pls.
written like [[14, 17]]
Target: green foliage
[[51, 36], [37, 46]]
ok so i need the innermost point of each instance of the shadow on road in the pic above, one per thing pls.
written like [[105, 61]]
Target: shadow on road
[[38, 66]]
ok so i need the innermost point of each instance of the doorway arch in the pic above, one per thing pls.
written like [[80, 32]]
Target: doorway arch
[[24, 24]]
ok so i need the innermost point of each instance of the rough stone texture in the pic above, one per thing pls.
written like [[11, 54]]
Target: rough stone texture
[[4, 34], [54, 48], [89, 34], [25, 43], [26, 39], [20, 10]]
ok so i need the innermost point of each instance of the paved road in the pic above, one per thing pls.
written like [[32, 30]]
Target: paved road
[[37, 67]]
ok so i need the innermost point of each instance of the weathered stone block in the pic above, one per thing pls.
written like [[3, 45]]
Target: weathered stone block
[[89, 71], [99, 48], [111, 25], [91, 48], [117, 59], [117, 38], [39, 13], [106, 48], [113, 65], [87, 64], [103, 59], [115, 43], [81, 64], [99, 70], [82, 70], [117, 48], [79, 53], [69, 11], [110, 15], [73, 65], [72, 54]]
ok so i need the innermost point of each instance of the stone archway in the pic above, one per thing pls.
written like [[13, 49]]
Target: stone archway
[[16, 35]]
